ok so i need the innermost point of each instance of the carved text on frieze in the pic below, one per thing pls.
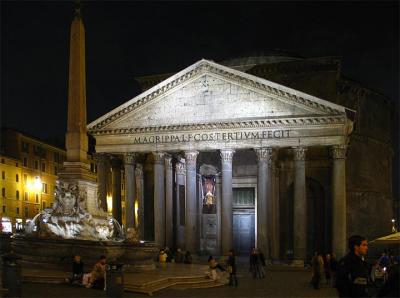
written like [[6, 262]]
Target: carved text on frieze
[[213, 136]]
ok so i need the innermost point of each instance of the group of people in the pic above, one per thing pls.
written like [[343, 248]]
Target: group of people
[[257, 264], [167, 256], [93, 279], [230, 268], [323, 266]]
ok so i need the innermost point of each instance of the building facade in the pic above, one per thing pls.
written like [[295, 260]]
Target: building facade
[[29, 169], [288, 172]]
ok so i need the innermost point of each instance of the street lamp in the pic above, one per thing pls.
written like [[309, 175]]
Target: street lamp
[[394, 230]]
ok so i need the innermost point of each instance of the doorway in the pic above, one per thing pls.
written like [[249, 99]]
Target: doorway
[[243, 220]]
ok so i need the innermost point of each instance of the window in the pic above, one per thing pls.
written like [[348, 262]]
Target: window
[[25, 162], [3, 175], [55, 170], [26, 196], [25, 178], [43, 167], [37, 198], [17, 210], [4, 209], [56, 157], [17, 178], [3, 192], [44, 187], [25, 147], [36, 165], [17, 194], [44, 205], [26, 211], [16, 164], [2, 160]]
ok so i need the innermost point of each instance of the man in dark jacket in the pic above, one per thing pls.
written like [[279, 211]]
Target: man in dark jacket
[[352, 271]]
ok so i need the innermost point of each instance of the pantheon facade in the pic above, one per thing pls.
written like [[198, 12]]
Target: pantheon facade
[[240, 155]]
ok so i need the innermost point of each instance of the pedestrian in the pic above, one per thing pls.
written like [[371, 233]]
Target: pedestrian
[[232, 268], [352, 273], [162, 258], [333, 265], [77, 270], [317, 264], [256, 267], [98, 274], [187, 258], [327, 269], [179, 256]]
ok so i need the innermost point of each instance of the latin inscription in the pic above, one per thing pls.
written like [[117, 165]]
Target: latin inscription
[[213, 136]]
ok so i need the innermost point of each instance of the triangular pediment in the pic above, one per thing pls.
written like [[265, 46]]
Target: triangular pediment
[[207, 92]]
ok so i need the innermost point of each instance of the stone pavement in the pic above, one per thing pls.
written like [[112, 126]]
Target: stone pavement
[[280, 282]]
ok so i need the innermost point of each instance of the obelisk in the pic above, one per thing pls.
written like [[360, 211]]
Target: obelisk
[[76, 167]]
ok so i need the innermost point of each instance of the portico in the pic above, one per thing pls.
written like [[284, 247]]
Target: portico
[[248, 129]]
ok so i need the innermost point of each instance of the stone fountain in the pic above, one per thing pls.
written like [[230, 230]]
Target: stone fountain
[[56, 234]]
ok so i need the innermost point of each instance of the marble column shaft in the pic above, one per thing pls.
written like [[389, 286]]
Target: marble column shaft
[[116, 189], [159, 198], [299, 205], [227, 193], [274, 210], [140, 197], [169, 233], [191, 235], [102, 168], [264, 157], [130, 190], [339, 213], [180, 228]]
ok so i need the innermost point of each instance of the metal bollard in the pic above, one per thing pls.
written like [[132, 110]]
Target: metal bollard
[[12, 279], [114, 280]]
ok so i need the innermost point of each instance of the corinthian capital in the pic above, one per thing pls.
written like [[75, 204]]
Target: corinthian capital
[[130, 158], [191, 157], [266, 154], [158, 157], [168, 162], [139, 170], [226, 155], [338, 152], [180, 168], [299, 153], [100, 157]]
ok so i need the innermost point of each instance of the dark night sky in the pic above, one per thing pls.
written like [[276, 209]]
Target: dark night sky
[[128, 39]]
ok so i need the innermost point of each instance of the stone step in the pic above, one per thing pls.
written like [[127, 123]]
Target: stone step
[[173, 282]]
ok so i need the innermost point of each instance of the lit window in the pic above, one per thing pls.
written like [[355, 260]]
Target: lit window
[[44, 187]]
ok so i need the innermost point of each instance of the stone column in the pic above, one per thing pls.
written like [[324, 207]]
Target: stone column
[[339, 216], [191, 202], [264, 157], [180, 226], [102, 168], [116, 189], [159, 198], [299, 206], [169, 233], [130, 190], [140, 198], [226, 207], [274, 209]]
